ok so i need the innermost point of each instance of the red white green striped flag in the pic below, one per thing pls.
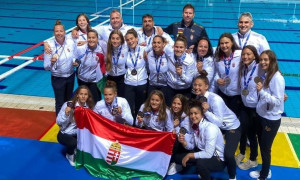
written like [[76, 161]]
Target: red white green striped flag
[[114, 151]]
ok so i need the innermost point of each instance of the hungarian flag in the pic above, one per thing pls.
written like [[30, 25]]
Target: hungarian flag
[[114, 151]]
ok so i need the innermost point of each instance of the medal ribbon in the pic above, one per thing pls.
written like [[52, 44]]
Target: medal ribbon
[[227, 65], [145, 37], [116, 60], [180, 59], [246, 83], [82, 35], [158, 67], [240, 42], [136, 58], [113, 105]]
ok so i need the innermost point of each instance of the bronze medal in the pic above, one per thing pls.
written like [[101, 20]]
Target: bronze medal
[[203, 99], [182, 130], [245, 92], [227, 80], [78, 61], [134, 72], [257, 79], [141, 114], [55, 56], [177, 64], [114, 111]]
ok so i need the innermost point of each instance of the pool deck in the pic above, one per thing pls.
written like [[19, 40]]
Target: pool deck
[[288, 124]]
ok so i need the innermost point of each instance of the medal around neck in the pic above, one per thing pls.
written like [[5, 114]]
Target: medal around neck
[[134, 72], [70, 104], [202, 99], [245, 92], [78, 61], [141, 114], [257, 79]]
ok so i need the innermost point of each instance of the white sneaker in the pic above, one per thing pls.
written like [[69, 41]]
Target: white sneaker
[[248, 164], [239, 158], [256, 174], [174, 168], [232, 179], [71, 159]]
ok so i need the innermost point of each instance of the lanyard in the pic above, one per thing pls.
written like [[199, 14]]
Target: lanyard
[[227, 65], [116, 60], [250, 77], [56, 50], [86, 52], [82, 35], [136, 58], [113, 105], [145, 37], [180, 59], [240, 42], [156, 61]]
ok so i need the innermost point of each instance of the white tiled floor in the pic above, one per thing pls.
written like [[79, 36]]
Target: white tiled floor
[[289, 125]]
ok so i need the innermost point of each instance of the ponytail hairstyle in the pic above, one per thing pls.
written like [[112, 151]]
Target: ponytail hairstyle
[[181, 37], [203, 77], [89, 101], [110, 48], [58, 23], [162, 112], [110, 85], [273, 66]]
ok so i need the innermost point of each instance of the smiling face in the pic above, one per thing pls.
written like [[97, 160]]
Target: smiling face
[[195, 115], [109, 95], [157, 45], [82, 23], [176, 105], [82, 96], [59, 33], [247, 56], [226, 45], [179, 48], [245, 24], [155, 102], [92, 39], [131, 40], [199, 87], [202, 48], [188, 15], [116, 40], [264, 61], [116, 20]]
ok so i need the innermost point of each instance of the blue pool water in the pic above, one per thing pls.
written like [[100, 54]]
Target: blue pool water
[[26, 23]]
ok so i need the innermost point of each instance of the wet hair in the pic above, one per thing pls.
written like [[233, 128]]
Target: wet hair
[[162, 114], [182, 38], [273, 66], [147, 16], [184, 103], [90, 102], [210, 51], [242, 66], [110, 48], [110, 85], [196, 104], [161, 37], [133, 32], [219, 53], [246, 14], [87, 20], [188, 6], [58, 23], [203, 77]]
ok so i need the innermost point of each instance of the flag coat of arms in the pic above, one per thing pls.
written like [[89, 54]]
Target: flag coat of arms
[[111, 150]]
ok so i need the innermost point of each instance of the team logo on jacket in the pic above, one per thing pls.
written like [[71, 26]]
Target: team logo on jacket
[[68, 49], [114, 153], [233, 64], [122, 55]]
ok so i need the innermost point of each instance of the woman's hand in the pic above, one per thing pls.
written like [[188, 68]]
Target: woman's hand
[[259, 86], [187, 158], [221, 82]]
